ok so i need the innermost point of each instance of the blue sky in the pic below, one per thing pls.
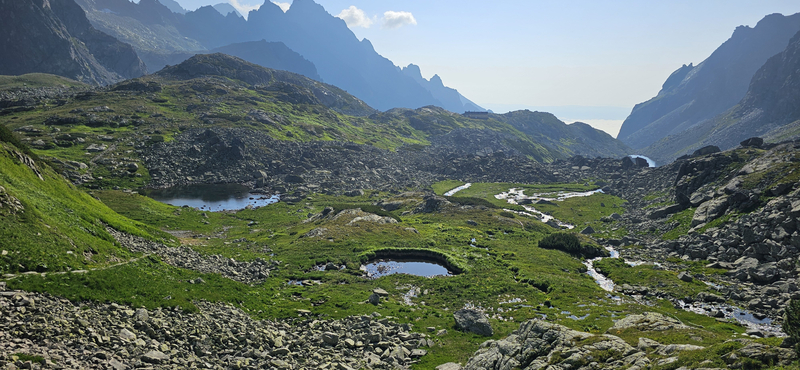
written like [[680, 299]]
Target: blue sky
[[561, 56]]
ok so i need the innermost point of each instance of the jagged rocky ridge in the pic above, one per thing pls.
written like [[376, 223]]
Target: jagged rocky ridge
[[693, 94], [55, 37], [163, 37]]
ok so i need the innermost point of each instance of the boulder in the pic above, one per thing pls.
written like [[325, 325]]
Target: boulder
[[354, 193], [473, 321], [641, 162], [155, 357], [710, 210], [330, 338], [449, 366], [664, 211], [648, 321], [765, 273], [374, 298], [753, 142], [710, 149], [588, 230]]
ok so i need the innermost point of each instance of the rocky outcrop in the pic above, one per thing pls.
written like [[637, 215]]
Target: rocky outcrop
[[94, 335], [749, 197], [539, 344], [255, 271], [238, 155], [55, 37]]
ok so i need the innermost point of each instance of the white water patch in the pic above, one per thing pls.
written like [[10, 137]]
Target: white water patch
[[456, 190], [604, 282], [517, 195], [650, 162], [744, 317]]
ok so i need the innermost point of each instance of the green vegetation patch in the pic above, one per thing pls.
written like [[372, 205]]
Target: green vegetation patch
[[55, 227], [650, 276]]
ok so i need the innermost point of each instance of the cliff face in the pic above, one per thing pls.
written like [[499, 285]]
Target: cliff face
[[55, 37], [769, 109], [693, 94]]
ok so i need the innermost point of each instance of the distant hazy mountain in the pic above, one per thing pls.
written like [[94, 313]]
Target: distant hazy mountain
[[173, 6], [225, 9], [574, 139], [150, 27], [273, 55], [55, 37], [696, 93], [451, 99], [770, 109], [163, 37]]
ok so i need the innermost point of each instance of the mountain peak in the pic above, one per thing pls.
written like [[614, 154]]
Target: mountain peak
[[306, 7], [437, 81], [218, 64], [413, 70]]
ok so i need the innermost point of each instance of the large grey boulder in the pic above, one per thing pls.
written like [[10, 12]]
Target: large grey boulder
[[155, 357], [710, 210], [648, 321], [535, 345], [473, 321]]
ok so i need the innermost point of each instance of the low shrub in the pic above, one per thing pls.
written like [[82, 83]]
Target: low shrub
[[569, 242]]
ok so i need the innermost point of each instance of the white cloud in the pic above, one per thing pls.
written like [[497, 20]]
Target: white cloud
[[283, 6], [392, 19], [243, 9], [355, 17]]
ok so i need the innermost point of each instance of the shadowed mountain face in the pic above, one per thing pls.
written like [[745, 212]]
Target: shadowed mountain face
[[225, 9], [164, 38], [769, 109], [273, 55], [696, 93], [55, 37]]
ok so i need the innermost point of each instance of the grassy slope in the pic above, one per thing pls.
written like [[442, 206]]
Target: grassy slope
[[60, 227], [505, 264], [32, 80]]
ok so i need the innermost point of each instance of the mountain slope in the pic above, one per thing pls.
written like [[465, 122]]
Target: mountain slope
[[300, 88], [164, 38], [696, 93], [770, 109], [274, 55], [150, 27], [574, 139], [46, 224], [55, 37]]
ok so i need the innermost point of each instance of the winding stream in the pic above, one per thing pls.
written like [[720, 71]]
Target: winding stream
[[744, 317], [456, 190], [516, 195]]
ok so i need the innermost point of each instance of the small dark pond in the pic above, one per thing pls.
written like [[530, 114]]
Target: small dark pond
[[383, 267], [211, 197]]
